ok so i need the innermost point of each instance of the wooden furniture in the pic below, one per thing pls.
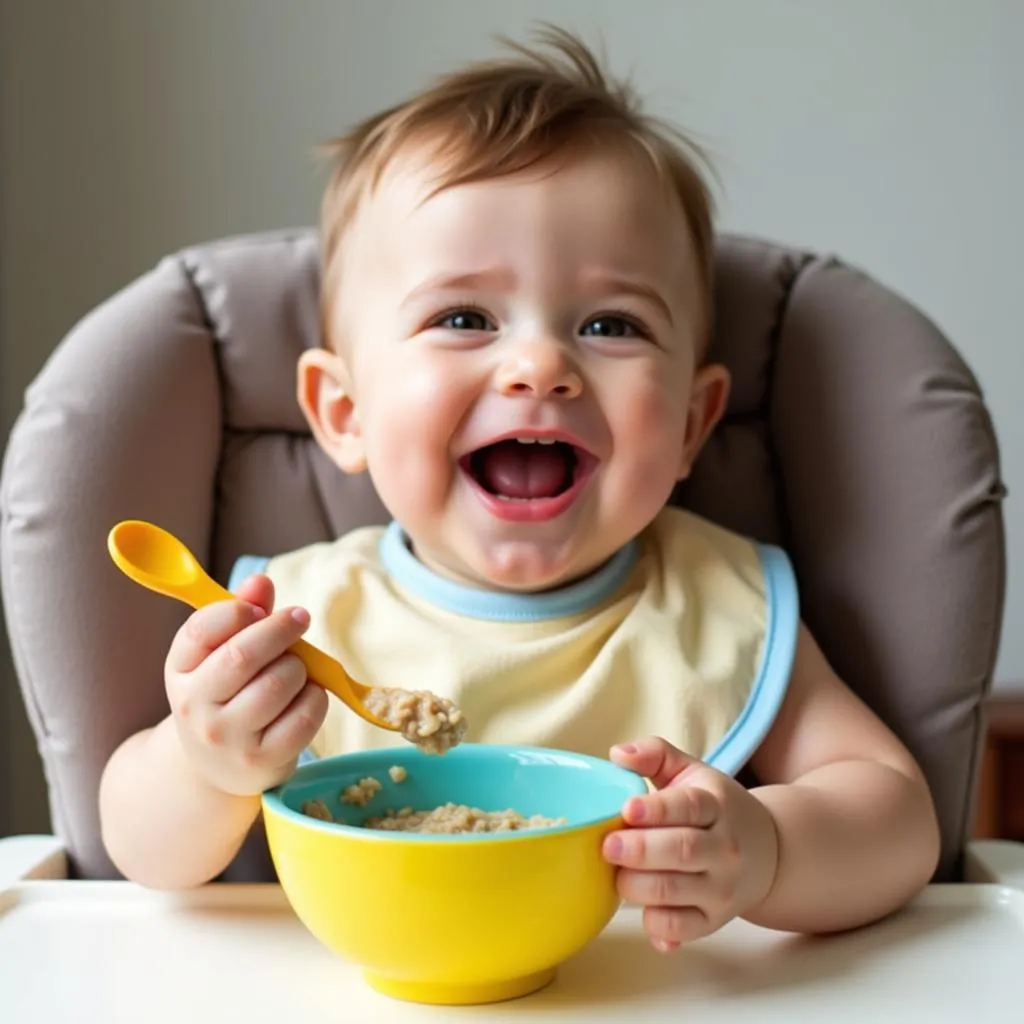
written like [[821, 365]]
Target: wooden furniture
[[1000, 806]]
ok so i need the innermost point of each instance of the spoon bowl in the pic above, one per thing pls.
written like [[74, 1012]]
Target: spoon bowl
[[159, 561], [154, 557]]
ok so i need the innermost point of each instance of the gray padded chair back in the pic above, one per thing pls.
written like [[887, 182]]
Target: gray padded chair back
[[856, 438]]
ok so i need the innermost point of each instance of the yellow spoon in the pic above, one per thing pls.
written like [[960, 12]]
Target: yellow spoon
[[156, 559]]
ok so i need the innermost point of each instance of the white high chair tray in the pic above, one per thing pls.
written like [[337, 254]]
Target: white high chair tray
[[111, 952]]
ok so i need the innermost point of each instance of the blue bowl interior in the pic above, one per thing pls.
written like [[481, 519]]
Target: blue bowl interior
[[530, 780]]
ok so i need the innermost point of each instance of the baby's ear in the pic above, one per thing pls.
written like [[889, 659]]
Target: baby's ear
[[325, 396], [709, 397]]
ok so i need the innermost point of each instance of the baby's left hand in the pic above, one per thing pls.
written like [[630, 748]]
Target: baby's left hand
[[698, 852]]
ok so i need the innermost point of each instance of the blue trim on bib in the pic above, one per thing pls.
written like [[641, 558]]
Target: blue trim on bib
[[244, 567], [409, 572], [755, 720]]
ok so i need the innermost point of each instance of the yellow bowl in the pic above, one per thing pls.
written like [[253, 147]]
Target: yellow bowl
[[456, 919]]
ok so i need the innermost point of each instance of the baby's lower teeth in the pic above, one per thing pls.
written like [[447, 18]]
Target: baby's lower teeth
[[509, 497]]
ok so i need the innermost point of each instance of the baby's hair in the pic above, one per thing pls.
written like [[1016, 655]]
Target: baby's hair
[[498, 117]]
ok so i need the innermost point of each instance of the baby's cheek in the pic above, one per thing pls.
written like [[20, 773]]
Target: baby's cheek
[[651, 426], [408, 454], [424, 378], [407, 471]]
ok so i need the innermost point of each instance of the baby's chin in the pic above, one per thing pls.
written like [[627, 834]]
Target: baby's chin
[[515, 567]]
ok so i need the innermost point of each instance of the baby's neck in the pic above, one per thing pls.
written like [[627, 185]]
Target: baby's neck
[[478, 600]]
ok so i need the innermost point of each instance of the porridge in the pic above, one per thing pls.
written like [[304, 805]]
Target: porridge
[[448, 819], [432, 723], [361, 793], [455, 819], [317, 809]]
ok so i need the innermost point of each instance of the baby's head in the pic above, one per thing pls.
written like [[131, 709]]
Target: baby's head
[[516, 305]]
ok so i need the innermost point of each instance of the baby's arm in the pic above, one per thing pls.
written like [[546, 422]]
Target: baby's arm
[[177, 801], [164, 826], [857, 830]]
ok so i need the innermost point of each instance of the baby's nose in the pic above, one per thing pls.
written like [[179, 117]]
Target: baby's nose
[[539, 370]]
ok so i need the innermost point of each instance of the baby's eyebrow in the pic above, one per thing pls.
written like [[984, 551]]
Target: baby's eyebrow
[[493, 279], [606, 281]]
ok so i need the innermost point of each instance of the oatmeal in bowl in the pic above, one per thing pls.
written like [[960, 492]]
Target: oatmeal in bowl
[[458, 879], [447, 819]]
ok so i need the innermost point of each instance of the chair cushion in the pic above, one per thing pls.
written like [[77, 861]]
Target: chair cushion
[[856, 437]]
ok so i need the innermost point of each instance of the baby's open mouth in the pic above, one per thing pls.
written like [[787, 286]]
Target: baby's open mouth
[[527, 468]]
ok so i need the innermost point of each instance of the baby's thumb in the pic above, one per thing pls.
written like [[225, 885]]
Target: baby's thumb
[[257, 590], [654, 758]]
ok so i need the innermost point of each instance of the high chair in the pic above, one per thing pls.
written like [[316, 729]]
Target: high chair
[[856, 438]]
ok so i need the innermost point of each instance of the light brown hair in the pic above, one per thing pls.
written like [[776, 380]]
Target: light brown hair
[[498, 117]]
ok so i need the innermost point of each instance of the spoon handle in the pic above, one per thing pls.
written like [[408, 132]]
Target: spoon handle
[[159, 562], [320, 666], [322, 669]]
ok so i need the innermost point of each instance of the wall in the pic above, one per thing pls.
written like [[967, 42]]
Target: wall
[[880, 131]]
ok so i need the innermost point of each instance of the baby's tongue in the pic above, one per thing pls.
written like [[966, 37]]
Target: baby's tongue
[[517, 470]]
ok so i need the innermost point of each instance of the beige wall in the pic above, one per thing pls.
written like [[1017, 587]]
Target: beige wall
[[881, 130]]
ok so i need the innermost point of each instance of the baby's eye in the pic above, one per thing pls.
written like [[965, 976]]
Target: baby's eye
[[464, 320], [610, 326]]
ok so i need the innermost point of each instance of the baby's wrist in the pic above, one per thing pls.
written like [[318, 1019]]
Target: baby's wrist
[[768, 856], [217, 780]]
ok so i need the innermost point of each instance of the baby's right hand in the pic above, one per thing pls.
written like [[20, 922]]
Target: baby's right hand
[[243, 706]]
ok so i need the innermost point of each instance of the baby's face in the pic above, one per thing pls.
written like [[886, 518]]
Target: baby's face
[[517, 366]]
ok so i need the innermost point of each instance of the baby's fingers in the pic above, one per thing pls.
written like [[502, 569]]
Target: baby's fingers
[[265, 697], [662, 888], [258, 590], [247, 654], [206, 630], [669, 927], [655, 758], [294, 729], [663, 849], [680, 805]]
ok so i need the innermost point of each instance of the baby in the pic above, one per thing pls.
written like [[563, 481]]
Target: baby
[[517, 282]]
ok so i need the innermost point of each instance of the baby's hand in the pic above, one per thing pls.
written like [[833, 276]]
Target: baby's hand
[[699, 851], [242, 705]]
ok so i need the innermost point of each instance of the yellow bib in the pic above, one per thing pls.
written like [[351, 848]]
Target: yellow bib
[[688, 634]]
